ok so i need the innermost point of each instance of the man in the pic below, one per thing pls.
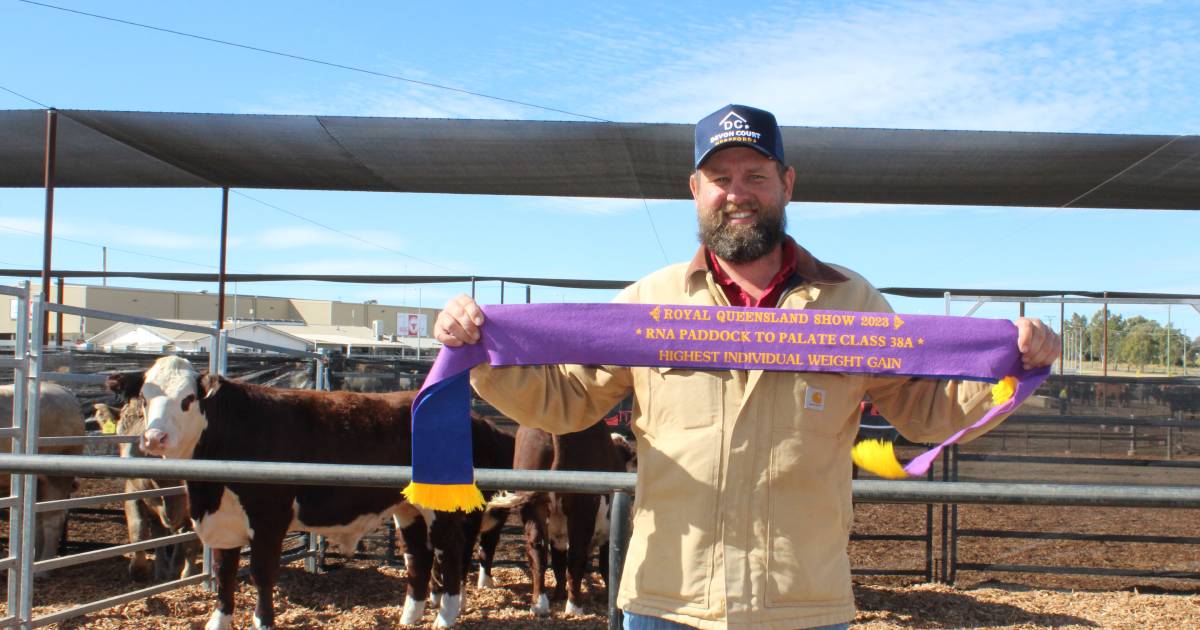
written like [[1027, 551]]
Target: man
[[742, 511]]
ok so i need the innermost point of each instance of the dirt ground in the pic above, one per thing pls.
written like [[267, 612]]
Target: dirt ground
[[361, 593]]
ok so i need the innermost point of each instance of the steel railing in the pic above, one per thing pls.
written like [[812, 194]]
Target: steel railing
[[26, 363]]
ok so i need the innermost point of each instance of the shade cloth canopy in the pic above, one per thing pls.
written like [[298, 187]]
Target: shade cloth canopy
[[590, 159]]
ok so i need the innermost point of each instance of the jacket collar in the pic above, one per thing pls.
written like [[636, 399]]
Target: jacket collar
[[808, 268]]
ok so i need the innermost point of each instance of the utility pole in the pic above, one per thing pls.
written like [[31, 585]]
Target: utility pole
[[1168, 340]]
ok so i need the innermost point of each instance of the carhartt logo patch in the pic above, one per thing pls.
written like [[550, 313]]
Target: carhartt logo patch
[[814, 399]]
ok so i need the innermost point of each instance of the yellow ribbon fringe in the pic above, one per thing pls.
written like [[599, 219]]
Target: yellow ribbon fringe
[[1004, 390], [445, 497], [879, 458]]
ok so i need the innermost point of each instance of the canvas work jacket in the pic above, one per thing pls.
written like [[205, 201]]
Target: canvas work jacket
[[742, 510]]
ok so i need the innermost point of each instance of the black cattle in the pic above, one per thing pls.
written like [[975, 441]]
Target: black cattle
[[571, 525]]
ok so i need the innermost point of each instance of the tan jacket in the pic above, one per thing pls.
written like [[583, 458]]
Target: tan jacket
[[742, 512]]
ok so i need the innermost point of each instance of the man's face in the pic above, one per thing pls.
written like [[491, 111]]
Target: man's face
[[740, 199]]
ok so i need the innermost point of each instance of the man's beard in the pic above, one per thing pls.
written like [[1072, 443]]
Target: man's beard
[[743, 243]]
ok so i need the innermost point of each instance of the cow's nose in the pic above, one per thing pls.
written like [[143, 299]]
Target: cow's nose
[[154, 441]]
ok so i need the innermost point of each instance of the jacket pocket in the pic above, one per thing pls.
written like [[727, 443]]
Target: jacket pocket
[[683, 398]]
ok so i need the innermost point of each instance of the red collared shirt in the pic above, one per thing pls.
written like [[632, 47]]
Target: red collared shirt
[[737, 295]]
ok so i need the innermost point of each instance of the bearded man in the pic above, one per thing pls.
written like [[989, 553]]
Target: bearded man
[[743, 502]]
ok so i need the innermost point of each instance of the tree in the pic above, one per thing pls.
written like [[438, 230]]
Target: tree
[[1140, 343], [1095, 335]]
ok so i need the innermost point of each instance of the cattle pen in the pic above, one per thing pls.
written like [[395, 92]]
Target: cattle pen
[[26, 364], [132, 149]]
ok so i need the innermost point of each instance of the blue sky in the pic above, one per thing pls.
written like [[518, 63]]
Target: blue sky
[[1109, 67]]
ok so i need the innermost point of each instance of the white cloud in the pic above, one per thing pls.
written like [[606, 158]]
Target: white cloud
[[931, 65], [1018, 65]]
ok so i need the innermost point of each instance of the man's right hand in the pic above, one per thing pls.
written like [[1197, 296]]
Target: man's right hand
[[459, 322]]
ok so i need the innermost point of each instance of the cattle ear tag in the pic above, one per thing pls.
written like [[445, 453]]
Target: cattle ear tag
[[814, 398]]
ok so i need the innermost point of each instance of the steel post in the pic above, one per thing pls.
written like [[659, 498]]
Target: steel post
[[953, 452], [618, 540], [221, 271], [50, 164], [29, 447], [321, 378], [58, 317], [929, 533], [17, 481], [1062, 324], [1104, 353], [945, 524], [310, 555], [223, 352]]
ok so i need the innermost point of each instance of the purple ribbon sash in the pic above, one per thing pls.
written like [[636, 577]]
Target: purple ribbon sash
[[706, 337]]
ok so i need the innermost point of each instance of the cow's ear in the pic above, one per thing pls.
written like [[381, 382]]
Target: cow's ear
[[126, 385], [207, 385]]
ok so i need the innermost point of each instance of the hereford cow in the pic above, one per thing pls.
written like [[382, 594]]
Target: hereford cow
[[190, 415], [572, 524], [58, 416], [152, 517]]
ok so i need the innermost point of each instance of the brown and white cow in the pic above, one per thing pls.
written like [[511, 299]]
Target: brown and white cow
[[155, 516], [572, 525], [58, 416], [196, 416]]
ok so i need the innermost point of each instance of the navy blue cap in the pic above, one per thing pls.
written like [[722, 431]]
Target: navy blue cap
[[739, 125]]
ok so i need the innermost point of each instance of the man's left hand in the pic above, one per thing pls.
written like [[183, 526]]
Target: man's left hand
[[1039, 345]]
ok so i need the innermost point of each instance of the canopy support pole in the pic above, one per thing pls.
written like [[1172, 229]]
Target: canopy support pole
[[221, 268], [48, 230]]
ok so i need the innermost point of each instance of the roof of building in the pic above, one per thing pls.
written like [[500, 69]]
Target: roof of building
[[323, 335]]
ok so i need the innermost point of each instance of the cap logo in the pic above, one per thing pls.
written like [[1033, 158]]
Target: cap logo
[[733, 121], [735, 128]]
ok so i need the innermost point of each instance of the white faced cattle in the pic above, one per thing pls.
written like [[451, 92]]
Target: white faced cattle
[[208, 417], [151, 517], [59, 416]]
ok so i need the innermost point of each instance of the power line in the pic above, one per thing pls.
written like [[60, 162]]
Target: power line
[[654, 229], [340, 232], [331, 64], [115, 249], [16, 93], [317, 61]]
